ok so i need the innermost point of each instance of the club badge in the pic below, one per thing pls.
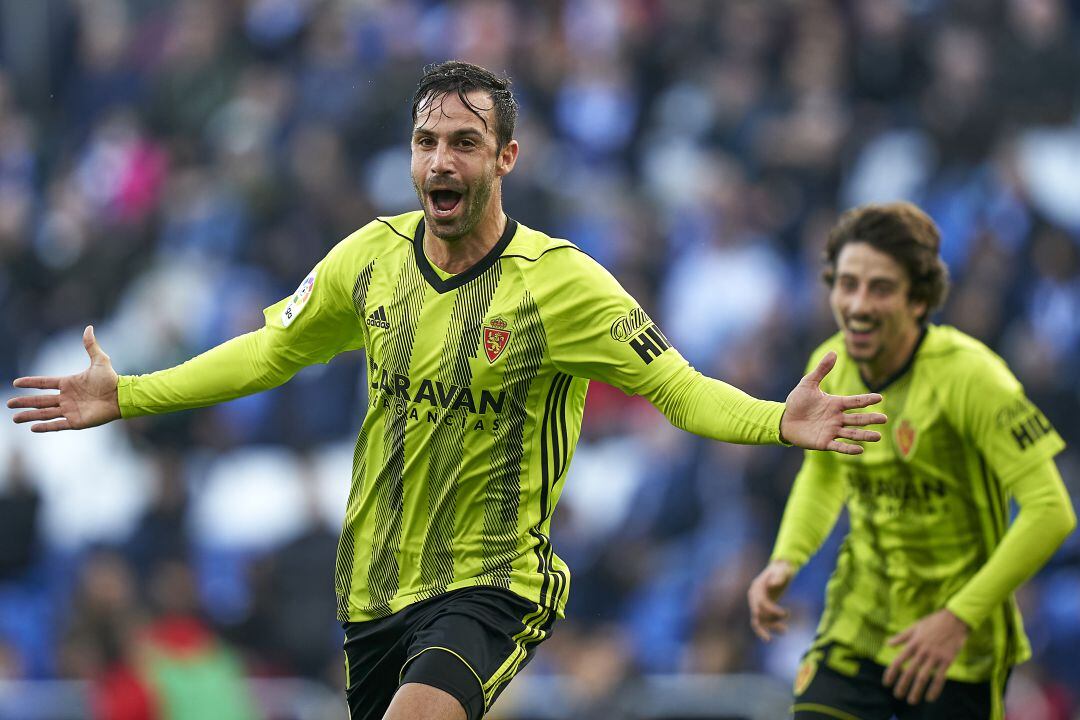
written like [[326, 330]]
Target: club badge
[[805, 675], [905, 438], [496, 338]]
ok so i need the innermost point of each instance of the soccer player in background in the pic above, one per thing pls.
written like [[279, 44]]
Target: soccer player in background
[[919, 618], [481, 336]]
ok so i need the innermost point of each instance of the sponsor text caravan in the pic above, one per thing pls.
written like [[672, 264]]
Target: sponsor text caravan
[[434, 401]]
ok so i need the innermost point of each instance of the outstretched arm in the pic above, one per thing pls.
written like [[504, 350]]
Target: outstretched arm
[[85, 400], [244, 365], [599, 332], [312, 326], [809, 418]]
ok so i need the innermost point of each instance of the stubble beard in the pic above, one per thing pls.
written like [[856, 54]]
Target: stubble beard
[[477, 196], [867, 357]]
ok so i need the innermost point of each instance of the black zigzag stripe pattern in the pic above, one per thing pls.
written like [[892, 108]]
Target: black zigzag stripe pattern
[[502, 505], [461, 344], [997, 524], [871, 633], [554, 457], [383, 572], [346, 543]]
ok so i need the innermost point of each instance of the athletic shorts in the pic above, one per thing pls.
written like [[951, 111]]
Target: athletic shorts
[[469, 643], [833, 682]]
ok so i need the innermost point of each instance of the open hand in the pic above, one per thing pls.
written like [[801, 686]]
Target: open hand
[[815, 420], [930, 646], [84, 401], [766, 615]]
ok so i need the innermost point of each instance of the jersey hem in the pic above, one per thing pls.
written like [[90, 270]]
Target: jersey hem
[[822, 710], [955, 672], [403, 601]]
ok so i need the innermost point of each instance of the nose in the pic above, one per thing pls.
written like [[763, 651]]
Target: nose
[[858, 301], [442, 161]]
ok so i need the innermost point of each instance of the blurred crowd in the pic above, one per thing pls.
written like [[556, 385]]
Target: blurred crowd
[[170, 167]]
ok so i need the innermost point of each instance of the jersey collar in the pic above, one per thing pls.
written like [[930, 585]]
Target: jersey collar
[[455, 281]]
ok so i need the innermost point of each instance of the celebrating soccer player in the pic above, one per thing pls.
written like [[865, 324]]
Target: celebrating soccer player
[[481, 336], [920, 620]]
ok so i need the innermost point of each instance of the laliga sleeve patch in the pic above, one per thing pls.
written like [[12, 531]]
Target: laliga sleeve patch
[[299, 300]]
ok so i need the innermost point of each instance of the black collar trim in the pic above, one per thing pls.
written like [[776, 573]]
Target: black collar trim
[[545, 252], [899, 373], [394, 230], [455, 281]]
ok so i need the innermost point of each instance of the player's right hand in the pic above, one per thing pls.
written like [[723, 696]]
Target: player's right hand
[[85, 400], [766, 615], [815, 420]]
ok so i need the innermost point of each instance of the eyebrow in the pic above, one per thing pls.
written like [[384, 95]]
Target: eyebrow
[[872, 279], [465, 132]]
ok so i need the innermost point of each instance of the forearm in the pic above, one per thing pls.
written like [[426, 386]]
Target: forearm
[[811, 512], [238, 367], [714, 409], [1045, 519]]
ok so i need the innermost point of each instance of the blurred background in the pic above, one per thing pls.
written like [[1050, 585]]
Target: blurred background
[[169, 168]]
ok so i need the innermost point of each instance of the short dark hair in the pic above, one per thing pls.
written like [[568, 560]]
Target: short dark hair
[[907, 235], [462, 78]]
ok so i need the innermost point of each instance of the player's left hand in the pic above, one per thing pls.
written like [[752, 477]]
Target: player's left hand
[[930, 646], [816, 420]]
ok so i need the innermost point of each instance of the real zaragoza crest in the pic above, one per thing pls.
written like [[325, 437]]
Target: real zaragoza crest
[[496, 337], [805, 675], [905, 438]]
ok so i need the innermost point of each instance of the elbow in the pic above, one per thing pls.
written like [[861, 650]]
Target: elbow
[[1061, 522], [1068, 521], [677, 420], [1068, 515], [674, 403]]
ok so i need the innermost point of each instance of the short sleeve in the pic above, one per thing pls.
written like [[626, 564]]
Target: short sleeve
[[1011, 433], [596, 330], [319, 320]]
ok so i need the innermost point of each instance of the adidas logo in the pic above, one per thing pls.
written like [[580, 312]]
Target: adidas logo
[[378, 319]]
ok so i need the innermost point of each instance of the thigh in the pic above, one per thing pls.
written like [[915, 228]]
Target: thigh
[[374, 653], [834, 683], [959, 701], [476, 642], [416, 701]]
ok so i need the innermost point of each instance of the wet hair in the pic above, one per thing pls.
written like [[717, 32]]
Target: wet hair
[[462, 78], [907, 235]]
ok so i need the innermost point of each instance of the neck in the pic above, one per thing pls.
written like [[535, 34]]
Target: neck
[[458, 255], [879, 371]]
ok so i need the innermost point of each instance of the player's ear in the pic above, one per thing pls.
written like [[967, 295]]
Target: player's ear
[[918, 307], [507, 158]]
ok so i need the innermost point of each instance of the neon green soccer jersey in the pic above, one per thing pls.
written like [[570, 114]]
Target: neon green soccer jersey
[[477, 384], [927, 505]]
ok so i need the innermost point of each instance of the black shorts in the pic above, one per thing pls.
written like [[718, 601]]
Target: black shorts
[[469, 643], [833, 682]]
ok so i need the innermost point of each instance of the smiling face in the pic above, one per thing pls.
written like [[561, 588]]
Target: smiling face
[[457, 163], [871, 302]]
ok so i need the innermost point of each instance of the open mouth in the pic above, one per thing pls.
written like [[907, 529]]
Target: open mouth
[[444, 202], [861, 329]]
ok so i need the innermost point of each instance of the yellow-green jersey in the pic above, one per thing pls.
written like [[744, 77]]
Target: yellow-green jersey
[[477, 384], [929, 504]]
